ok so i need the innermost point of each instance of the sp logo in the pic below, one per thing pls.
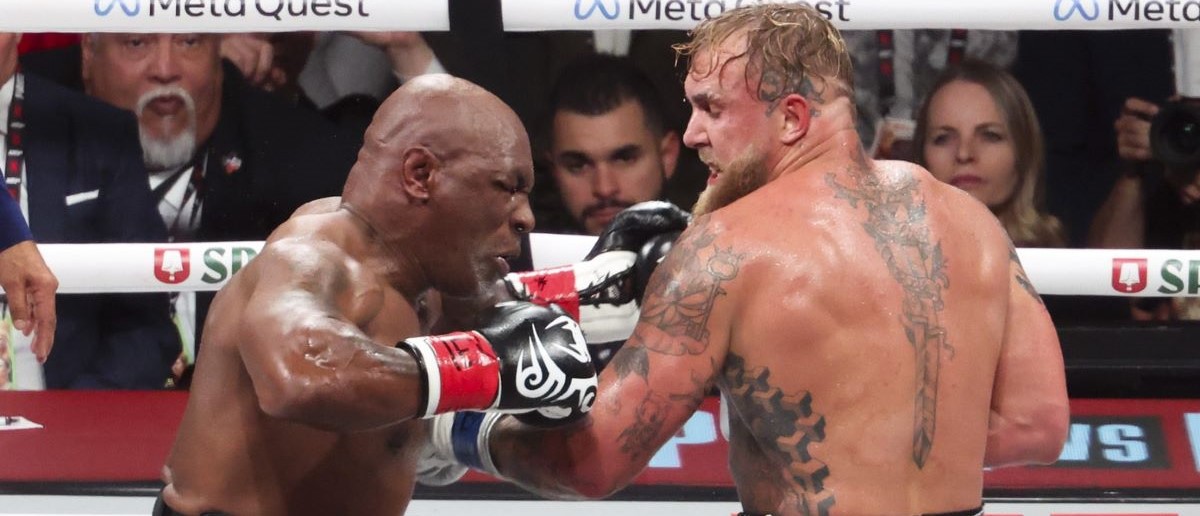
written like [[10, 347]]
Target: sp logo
[[1129, 275], [172, 265], [607, 9], [129, 7], [1065, 9]]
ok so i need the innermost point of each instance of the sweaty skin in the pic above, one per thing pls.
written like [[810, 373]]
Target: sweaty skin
[[871, 327], [300, 403]]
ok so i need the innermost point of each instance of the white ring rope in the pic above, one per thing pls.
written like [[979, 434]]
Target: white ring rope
[[88, 268], [537, 15]]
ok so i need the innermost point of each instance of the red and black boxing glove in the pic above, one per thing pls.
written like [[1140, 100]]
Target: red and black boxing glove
[[525, 359], [604, 291]]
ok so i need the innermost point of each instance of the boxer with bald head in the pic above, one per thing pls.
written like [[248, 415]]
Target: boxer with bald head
[[303, 403], [870, 327]]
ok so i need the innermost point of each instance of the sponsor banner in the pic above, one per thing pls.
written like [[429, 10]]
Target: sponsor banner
[[99, 268], [1112, 444], [221, 15], [88, 268], [1113, 272], [532, 15]]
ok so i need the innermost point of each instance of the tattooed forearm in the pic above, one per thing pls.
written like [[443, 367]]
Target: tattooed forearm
[[638, 440], [1021, 278], [783, 425], [685, 289], [896, 221], [632, 359]]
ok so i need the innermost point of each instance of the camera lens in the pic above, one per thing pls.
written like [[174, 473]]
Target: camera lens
[[1175, 135], [1185, 138]]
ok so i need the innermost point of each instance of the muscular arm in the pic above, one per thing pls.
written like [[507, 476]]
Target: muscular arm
[[650, 389], [304, 348], [1029, 415]]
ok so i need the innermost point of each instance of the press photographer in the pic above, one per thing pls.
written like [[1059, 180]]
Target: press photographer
[[1153, 204]]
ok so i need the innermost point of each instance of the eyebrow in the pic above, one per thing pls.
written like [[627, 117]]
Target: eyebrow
[[574, 155], [629, 150], [703, 99]]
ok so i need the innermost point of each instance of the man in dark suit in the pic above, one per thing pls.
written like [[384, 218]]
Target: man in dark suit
[[74, 166], [227, 161]]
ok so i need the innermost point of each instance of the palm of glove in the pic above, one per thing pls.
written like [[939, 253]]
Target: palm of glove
[[648, 230]]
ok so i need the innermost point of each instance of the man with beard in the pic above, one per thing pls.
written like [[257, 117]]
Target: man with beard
[[227, 161], [871, 328], [609, 146], [73, 170]]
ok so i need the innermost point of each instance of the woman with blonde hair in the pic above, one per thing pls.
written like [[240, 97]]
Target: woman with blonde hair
[[977, 130]]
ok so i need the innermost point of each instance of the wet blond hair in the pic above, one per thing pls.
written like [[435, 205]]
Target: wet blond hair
[[790, 48]]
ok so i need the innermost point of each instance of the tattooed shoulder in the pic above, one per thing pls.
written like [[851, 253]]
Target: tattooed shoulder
[[1020, 277], [685, 290]]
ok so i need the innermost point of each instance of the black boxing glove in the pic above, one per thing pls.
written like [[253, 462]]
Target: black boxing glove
[[604, 291], [523, 358]]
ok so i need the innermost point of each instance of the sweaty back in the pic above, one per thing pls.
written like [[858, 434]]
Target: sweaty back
[[870, 316]]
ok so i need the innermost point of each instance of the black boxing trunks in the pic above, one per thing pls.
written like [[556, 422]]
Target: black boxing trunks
[[978, 511], [162, 509]]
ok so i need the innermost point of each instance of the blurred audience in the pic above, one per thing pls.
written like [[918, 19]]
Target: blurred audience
[[894, 70], [977, 131], [344, 76], [74, 166], [608, 145], [1078, 81], [227, 161]]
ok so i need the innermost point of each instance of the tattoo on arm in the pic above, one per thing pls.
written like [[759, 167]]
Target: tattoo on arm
[[783, 425], [1021, 278], [684, 290], [896, 221], [632, 359]]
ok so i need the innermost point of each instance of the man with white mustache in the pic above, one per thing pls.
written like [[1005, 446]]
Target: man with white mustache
[[227, 161], [72, 172]]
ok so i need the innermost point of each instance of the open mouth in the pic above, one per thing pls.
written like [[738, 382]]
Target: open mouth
[[166, 105]]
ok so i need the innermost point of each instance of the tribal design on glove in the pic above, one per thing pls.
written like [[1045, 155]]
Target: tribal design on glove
[[540, 378]]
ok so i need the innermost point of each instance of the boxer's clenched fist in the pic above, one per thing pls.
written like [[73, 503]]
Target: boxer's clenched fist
[[524, 358]]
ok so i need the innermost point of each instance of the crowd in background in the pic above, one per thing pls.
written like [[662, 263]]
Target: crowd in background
[[197, 137]]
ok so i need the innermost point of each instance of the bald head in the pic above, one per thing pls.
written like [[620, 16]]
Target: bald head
[[446, 115]]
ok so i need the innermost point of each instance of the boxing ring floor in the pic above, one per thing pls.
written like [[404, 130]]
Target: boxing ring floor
[[40, 505]]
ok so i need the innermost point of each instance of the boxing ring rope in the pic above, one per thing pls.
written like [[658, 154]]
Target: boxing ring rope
[[105, 268], [534, 15]]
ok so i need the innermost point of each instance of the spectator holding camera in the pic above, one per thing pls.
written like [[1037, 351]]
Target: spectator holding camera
[[1153, 204], [977, 130]]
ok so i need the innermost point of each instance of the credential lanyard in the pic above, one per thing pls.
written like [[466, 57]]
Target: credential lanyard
[[14, 160]]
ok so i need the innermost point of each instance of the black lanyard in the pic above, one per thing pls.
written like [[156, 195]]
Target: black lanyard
[[14, 162]]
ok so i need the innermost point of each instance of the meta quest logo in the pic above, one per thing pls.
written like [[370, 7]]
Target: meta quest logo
[[276, 9], [608, 9], [1066, 9], [695, 10], [1127, 10]]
